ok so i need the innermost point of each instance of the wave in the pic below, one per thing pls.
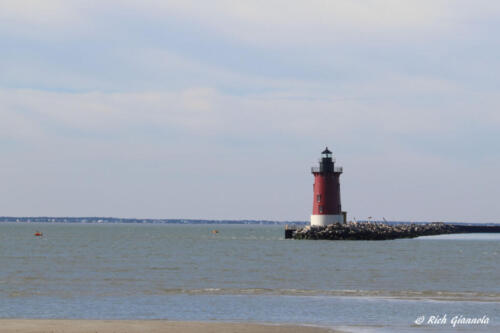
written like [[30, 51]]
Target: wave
[[429, 295], [397, 294]]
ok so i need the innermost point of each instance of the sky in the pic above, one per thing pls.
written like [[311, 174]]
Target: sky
[[218, 109]]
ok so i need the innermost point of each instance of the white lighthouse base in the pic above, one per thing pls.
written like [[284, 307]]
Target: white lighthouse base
[[322, 220]]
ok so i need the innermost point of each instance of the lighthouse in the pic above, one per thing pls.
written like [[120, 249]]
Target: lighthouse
[[326, 200]]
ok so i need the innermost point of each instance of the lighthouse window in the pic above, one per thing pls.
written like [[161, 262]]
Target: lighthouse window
[[321, 209], [318, 197]]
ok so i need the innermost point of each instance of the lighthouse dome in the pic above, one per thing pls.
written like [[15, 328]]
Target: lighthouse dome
[[326, 151]]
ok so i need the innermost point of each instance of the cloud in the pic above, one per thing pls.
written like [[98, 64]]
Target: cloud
[[143, 145], [284, 22], [274, 23], [134, 106], [242, 46], [50, 12], [391, 107]]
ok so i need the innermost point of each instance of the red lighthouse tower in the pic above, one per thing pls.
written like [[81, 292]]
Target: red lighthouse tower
[[326, 201]]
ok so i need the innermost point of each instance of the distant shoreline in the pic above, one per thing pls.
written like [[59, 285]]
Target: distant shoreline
[[48, 219], [110, 220]]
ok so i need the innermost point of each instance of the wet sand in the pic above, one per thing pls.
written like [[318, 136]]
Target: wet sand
[[146, 326]]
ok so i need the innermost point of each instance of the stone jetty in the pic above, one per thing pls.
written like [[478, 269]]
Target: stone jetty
[[372, 231]]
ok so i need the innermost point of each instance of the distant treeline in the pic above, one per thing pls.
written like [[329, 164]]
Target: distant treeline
[[48, 219]]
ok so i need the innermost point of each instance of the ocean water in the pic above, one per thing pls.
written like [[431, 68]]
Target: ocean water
[[246, 273]]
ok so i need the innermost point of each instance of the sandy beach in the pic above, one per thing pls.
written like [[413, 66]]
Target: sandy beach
[[146, 326]]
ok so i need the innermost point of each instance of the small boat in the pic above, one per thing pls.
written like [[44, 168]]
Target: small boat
[[38, 233], [215, 231]]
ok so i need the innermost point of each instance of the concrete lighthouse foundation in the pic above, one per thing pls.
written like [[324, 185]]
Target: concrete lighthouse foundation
[[322, 220]]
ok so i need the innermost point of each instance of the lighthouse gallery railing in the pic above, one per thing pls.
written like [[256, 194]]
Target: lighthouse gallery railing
[[335, 169]]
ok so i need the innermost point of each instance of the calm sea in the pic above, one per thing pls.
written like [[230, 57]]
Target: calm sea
[[246, 273]]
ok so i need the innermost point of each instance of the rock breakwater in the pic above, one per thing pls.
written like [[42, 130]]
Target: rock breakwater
[[372, 231]]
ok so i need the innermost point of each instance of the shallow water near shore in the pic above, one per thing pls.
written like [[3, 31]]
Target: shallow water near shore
[[245, 273]]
